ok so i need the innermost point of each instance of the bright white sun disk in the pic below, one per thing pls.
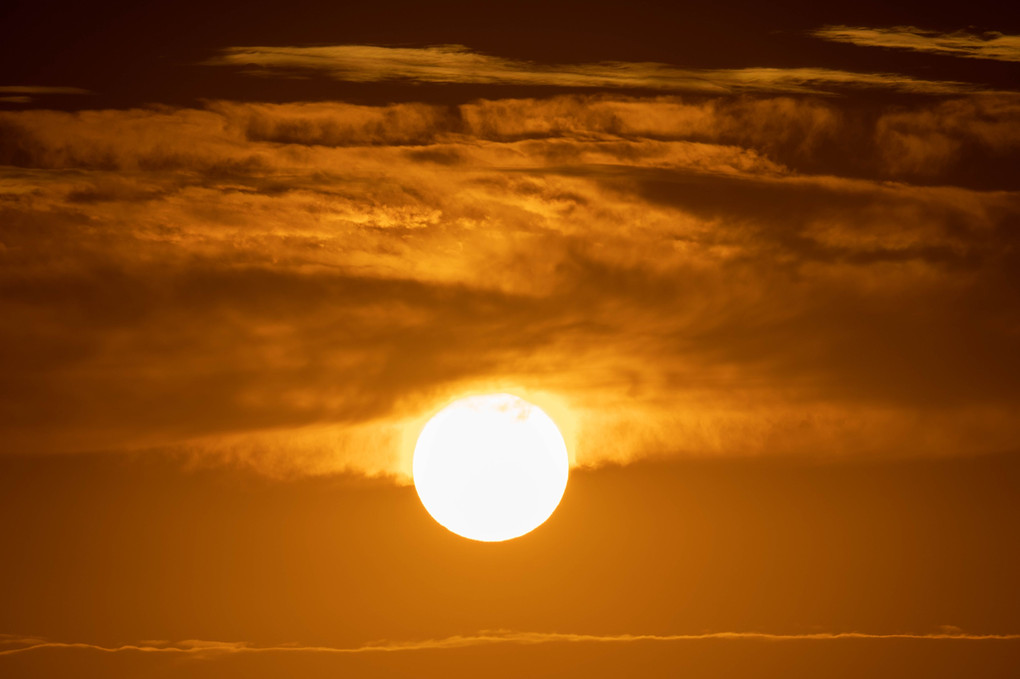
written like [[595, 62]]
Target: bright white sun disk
[[490, 467]]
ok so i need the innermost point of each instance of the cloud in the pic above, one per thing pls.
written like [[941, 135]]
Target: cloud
[[40, 89], [987, 45], [201, 648], [926, 142], [26, 94], [294, 287], [451, 64]]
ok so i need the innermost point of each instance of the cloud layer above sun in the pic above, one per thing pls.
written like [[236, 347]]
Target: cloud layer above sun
[[295, 286]]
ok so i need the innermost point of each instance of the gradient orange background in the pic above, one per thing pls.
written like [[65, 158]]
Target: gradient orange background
[[760, 262]]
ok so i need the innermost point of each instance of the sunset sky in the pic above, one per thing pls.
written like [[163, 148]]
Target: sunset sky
[[759, 261]]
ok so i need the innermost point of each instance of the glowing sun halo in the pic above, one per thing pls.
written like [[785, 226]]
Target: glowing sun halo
[[490, 467]]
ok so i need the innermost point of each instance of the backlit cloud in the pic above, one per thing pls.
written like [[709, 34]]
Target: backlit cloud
[[677, 277], [200, 648], [458, 64], [989, 45]]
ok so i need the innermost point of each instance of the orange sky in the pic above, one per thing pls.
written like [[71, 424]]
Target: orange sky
[[761, 265]]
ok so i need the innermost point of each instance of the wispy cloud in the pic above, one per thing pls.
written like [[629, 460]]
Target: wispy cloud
[[458, 64], [486, 638], [41, 89], [988, 45], [26, 94]]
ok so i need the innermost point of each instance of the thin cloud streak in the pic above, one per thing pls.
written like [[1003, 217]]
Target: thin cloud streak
[[205, 648], [992, 45], [456, 64], [41, 89], [26, 94]]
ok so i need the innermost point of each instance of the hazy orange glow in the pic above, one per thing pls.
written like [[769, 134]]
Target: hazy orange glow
[[309, 309]]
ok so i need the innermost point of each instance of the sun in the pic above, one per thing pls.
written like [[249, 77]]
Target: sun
[[490, 467]]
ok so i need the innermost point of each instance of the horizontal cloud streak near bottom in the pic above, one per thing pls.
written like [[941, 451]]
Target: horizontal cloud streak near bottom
[[195, 647]]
